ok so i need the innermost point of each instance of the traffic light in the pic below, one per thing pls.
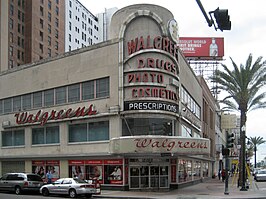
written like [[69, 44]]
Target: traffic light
[[230, 140], [222, 19]]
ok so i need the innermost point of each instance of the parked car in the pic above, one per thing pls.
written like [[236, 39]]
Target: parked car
[[255, 170], [20, 182], [72, 187], [260, 175]]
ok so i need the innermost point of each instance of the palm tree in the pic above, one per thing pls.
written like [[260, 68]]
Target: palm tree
[[255, 142], [244, 87]]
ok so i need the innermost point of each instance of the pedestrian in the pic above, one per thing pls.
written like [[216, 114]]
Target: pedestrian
[[219, 174], [49, 177], [223, 175]]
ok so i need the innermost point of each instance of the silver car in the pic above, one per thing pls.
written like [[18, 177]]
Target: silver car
[[260, 175], [70, 186], [19, 182]]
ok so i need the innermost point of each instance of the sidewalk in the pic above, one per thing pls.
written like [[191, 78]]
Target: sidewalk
[[212, 188]]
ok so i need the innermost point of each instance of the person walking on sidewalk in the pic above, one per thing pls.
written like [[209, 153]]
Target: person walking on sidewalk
[[223, 175]]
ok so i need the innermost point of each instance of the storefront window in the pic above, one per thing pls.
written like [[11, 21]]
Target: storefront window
[[48, 170], [197, 170], [147, 126], [113, 174], [105, 171], [185, 170], [205, 169]]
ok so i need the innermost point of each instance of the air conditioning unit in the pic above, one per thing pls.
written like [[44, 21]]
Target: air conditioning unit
[[5, 124]]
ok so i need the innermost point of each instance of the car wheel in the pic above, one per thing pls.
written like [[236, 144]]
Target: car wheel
[[72, 193], [88, 195], [18, 190], [45, 192]]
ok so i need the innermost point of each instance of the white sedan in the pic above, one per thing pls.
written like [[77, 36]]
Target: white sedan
[[260, 175], [70, 186]]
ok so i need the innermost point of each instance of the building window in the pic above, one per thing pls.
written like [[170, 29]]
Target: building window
[[41, 10], [18, 54], [22, 29], [13, 138], [49, 28], [49, 16], [11, 51], [88, 90], [49, 40], [49, 52], [22, 17], [69, 25], [56, 22], [26, 102], [57, 10], [7, 105], [17, 103], [69, 37], [74, 93], [147, 126], [11, 37], [41, 47], [56, 45], [37, 100], [18, 41], [1, 106], [41, 23], [49, 97], [87, 132], [41, 35], [49, 5], [70, 4], [19, 14], [60, 95], [11, 9], [19, 27], [70, 14], [11, 23], [69, 48], [47, 135], [102, 87], [56, 33]]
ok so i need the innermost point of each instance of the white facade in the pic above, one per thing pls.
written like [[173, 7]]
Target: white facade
[[81, 26], [104, 20]]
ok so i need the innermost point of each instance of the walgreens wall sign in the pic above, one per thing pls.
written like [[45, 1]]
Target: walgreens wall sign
[[159, 144], [43, 117]]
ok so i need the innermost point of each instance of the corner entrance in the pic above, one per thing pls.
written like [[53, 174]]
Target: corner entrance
[[148, 177]]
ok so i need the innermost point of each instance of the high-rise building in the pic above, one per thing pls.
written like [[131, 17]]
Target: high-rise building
[[30, 31], [81, 26]]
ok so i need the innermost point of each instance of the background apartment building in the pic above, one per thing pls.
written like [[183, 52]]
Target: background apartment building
[[35, 30], [30, 31]]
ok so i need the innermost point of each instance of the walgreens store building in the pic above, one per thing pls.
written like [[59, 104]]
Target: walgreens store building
[[126, 111]]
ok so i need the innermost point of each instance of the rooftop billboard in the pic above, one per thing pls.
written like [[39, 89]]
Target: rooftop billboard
[[202, 48]]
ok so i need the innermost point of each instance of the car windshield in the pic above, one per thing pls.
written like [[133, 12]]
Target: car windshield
[[34, 178], [262, 172]]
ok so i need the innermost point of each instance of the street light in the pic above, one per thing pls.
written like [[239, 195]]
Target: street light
[[243, 157]]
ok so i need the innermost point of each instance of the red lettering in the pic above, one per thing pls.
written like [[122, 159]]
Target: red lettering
[[24, 117]]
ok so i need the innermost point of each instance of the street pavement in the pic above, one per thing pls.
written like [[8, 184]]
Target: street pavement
[[210, 188]]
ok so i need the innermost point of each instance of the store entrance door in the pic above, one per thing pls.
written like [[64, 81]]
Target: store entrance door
[[148, 177]]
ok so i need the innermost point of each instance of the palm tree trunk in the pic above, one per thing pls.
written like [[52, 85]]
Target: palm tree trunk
[[242, 158], [255, 154]]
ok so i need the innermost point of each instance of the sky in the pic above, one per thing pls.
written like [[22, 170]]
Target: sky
[[246, 36]]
